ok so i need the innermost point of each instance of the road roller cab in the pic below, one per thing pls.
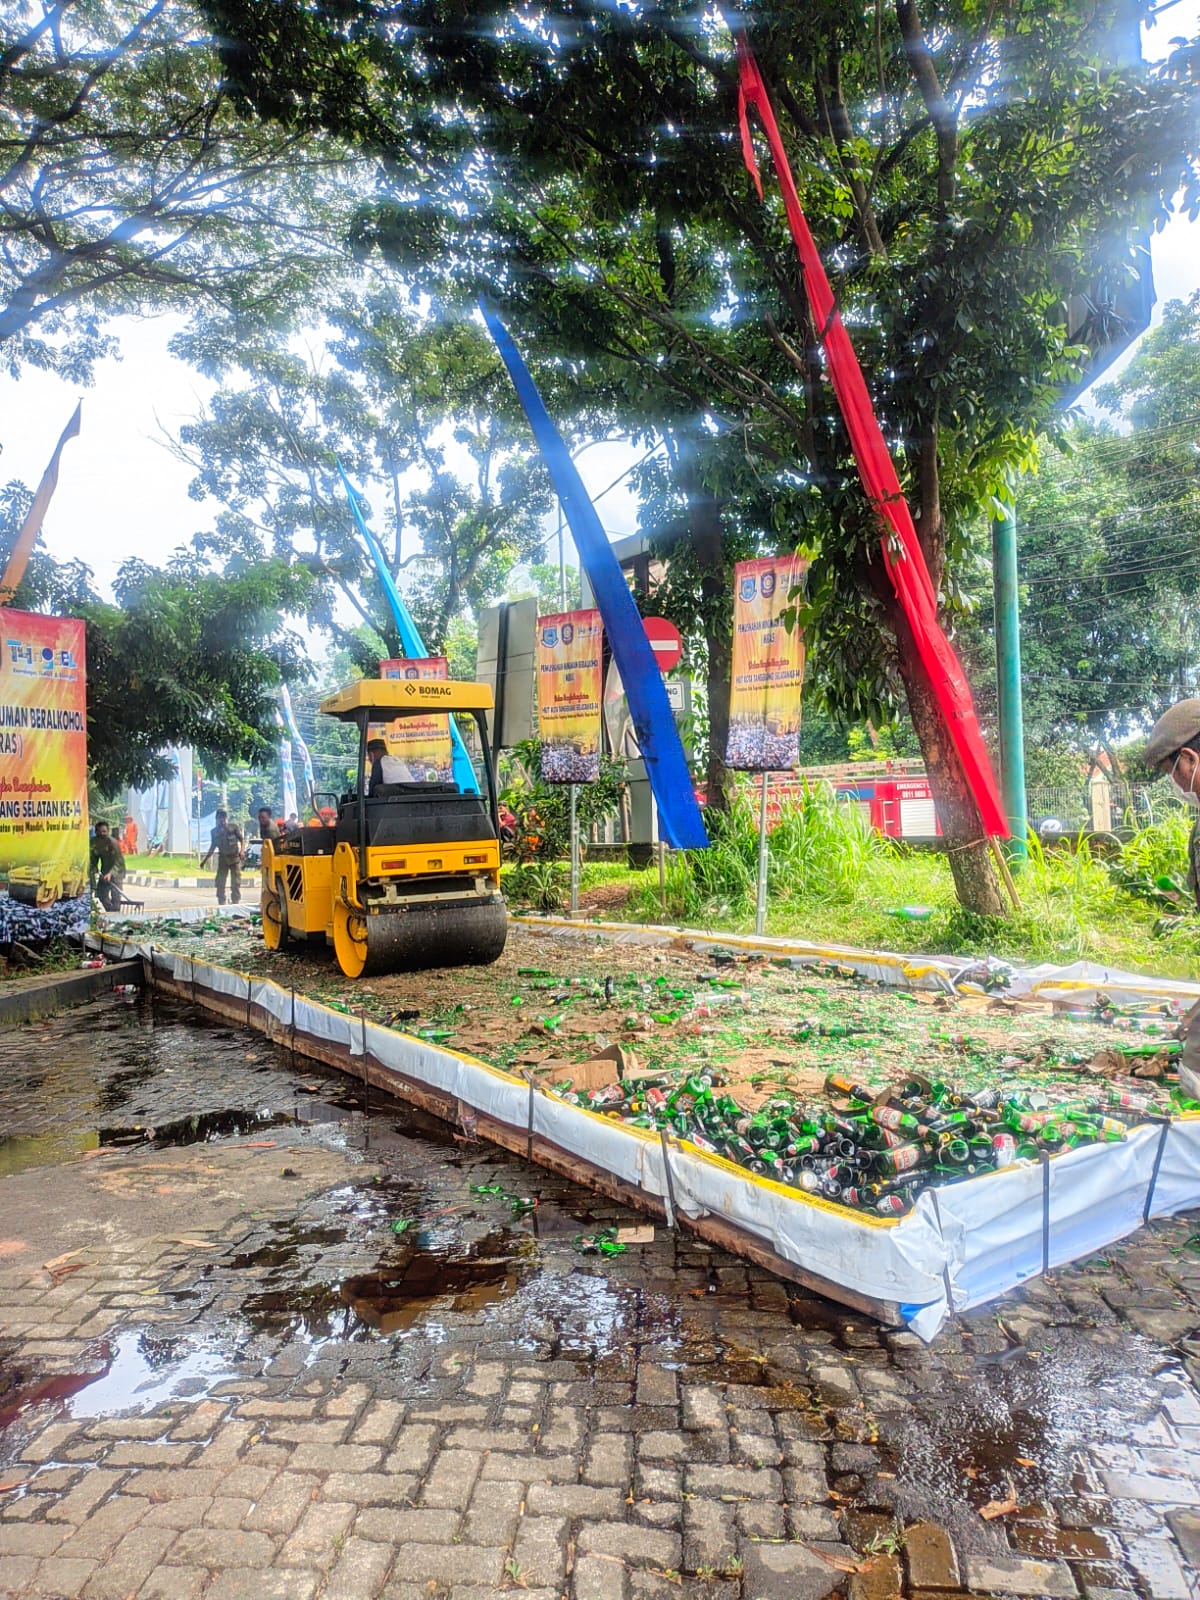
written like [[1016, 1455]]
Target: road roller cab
[[406, 877]]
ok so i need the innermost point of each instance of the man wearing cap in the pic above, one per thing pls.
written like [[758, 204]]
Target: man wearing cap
[[1173, 750]]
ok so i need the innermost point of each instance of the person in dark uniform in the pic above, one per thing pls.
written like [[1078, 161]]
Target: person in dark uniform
[[268, 828], [1173, 751], [106, 864], [228, 842]]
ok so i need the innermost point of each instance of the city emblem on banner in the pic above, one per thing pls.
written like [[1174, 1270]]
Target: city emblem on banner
[[768, 667], [569, 661]]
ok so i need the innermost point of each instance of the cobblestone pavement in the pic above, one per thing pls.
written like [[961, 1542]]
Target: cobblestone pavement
[[297, 1355]]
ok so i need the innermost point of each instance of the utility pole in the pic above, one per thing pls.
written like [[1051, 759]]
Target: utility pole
[[1008, 680]]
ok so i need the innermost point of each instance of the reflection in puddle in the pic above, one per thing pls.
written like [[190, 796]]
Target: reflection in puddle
[[134, 1372], [399, 1294]]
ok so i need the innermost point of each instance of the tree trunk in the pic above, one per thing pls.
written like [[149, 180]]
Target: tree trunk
[[966, 843]]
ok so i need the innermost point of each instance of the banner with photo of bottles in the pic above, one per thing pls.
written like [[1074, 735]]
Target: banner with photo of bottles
[[570, 653], [768, 667]]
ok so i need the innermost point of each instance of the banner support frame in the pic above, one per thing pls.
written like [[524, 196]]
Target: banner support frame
[[574, 849], [760, 898]]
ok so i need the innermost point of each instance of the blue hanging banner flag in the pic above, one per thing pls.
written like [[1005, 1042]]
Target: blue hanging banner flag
[[287, 771], [410, 639], [289, 718], [666, 765]]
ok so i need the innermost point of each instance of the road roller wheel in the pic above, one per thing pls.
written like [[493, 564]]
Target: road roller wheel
[[350, 940], [419, 938], [274, 915]]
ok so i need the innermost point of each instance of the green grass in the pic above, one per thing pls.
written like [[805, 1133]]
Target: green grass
[[171, 866], [832, 881]]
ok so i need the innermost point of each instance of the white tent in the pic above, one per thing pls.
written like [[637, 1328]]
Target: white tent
[[163, 813]]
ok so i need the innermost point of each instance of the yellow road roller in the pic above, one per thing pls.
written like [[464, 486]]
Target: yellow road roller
[[406, 877]]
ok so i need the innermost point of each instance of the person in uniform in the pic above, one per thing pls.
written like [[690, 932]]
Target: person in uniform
[[228, 842], [386, 768], [1173, 751], [268, 828], [106, 864]]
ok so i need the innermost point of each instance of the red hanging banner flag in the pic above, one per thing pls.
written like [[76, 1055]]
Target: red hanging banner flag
[[903, 558]]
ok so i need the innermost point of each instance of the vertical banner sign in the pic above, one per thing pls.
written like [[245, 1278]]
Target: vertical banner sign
[[422, 743], [43, 757], [570, 652], [768, 667]]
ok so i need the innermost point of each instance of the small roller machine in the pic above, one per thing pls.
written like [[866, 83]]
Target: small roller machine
[[403, 880]]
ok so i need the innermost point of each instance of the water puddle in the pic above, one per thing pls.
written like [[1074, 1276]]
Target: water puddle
[[110, 1075], [134, 1372]]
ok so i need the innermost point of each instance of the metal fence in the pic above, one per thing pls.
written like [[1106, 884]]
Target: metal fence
[[1116, 807]]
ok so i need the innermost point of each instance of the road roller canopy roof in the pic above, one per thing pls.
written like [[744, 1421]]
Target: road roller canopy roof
[[398, 697]]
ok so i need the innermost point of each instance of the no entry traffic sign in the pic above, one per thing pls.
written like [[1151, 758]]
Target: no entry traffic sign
[[664, 641]]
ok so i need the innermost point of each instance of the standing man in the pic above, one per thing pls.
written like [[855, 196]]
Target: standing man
[[106, 864], [229, 843], [268, 828], [1173, 751]]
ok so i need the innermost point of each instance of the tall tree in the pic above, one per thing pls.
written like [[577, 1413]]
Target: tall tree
[[183, 656], [963, 166], [127, 183], [419, 412]]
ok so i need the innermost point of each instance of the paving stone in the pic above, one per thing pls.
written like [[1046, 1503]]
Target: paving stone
[[402, 1527], [703, 1408], [335, 1458], [186, 1513], [647, 1547], [930, 1557], [174, 1583], [227, 1511], [1160, 1568], [1156, 1491], [449, 1564], [379, 1422], [762, 1519], [47, 1445], [572, 1500], [16, 1574], [1185, 1525], [663, 1445], [451, 1479], [221, 1548], [750, 1483], [85, 1496], [1008, 1575], [313, 1542], [598, 1578], [371, 1488], [348, 1402], [786, 1572], [59, 1578], [148, 1454], [656, 1386], [539, 1550], [881, 1579], [491, 1517], [167, 1485], [132, 1561], [281, 1506], [31, 1538], [609, 1460], [250, 1583], [359, 1572], [709, 1535]]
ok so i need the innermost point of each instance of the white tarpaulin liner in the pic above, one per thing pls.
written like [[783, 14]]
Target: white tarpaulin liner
[[960, 1246]]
